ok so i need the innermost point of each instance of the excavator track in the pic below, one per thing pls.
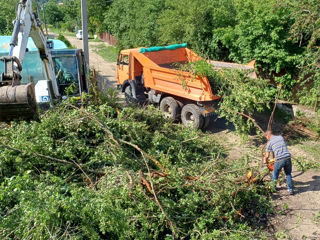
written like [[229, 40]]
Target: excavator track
[[18, 103]]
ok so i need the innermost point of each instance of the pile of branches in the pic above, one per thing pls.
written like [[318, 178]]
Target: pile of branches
[[242, 97], [112, 172]]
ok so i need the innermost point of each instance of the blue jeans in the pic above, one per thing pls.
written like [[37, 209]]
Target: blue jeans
[[287, 166]]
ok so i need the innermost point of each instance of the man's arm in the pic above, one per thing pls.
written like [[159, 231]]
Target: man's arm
[[266, 157]]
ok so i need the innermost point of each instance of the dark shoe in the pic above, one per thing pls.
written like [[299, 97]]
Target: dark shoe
[[291, 192]]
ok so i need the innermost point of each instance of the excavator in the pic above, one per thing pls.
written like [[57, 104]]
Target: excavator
[[19, 98]]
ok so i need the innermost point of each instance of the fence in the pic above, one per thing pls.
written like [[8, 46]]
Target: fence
[[107, 37]]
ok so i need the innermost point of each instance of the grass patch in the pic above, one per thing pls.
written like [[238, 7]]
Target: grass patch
[[304, 164], [313, 150], [60, 31], [66, 41], [108, 53], [311, 160], [95, 40]]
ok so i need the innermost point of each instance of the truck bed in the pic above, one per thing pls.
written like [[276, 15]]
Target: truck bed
[[173, 65]]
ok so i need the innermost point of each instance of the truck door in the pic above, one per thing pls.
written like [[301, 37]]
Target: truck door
[[122, 68]]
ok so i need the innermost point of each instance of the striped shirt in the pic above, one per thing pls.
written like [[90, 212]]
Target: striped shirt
[[277, 145]]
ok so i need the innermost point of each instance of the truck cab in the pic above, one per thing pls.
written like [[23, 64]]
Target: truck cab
[[123, 65]]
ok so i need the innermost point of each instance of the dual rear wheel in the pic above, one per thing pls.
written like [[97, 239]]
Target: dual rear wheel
[[190, 114]]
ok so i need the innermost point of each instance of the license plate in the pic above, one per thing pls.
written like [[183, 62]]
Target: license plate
[[208, 110]]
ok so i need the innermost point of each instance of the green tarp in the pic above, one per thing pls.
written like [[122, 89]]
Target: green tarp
[[161, 48]]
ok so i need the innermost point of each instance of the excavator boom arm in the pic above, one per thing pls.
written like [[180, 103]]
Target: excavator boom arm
[[16, 100]]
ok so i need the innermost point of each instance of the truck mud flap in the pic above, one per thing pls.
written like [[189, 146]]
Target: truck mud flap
[[137, 91], [18, 102]]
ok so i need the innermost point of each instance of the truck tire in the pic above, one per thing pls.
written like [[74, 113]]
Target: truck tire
[[191, 116], [128, 95], [170, 107]]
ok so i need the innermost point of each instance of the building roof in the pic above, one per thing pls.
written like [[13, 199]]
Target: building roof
[[5, 44]]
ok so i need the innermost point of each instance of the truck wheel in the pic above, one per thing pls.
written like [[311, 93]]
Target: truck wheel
[[170, 107], [128, 95], [191, 115]]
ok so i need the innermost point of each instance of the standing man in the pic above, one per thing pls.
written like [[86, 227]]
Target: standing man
[[277, 145]]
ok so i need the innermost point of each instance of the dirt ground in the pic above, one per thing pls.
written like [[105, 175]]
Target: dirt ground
[[299, 215], [296, 217], [106, 70]]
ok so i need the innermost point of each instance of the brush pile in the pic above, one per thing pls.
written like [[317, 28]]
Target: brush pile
[[241, 96], [113, 172]]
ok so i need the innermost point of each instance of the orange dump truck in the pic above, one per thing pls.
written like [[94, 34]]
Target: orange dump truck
[[150, 74]]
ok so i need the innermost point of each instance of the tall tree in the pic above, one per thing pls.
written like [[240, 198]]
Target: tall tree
[[54, 15], [96, 12], [7, 15], [134, 23], [193, 22]]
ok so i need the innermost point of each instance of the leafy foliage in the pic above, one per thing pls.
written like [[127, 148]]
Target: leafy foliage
[[96, 172], [65, 40], [282, 35], [7, 15], [276, 33], [261, 33], [240, 94], [54, 15], [134, 22], [306, 31], [180, 21]]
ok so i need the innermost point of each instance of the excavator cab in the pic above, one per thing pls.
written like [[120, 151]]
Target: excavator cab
[[70, 73]]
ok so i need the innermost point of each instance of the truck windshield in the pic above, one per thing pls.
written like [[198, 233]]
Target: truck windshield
[[67, 74]]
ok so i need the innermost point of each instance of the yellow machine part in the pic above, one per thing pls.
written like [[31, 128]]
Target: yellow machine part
[[18, 102]]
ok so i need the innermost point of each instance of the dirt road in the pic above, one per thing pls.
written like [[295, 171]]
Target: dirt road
[[106, 70], [295, 217], [298, 216]]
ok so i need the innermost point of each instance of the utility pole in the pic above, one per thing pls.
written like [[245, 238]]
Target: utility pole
[[44, 17], [85, 32]]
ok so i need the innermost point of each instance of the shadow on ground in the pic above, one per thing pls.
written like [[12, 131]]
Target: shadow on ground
[[219, 124]]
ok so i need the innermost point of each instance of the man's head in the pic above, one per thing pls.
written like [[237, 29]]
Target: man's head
[[268, 134]]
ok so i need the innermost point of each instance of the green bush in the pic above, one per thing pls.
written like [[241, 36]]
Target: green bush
[[66, 41]]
